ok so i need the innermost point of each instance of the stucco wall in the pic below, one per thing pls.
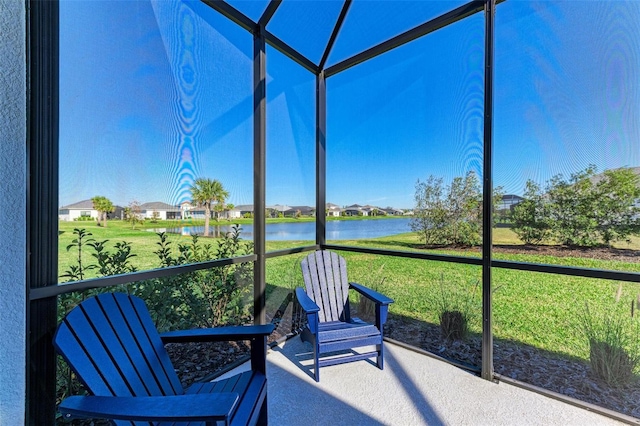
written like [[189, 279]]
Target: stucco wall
[[12, 212]]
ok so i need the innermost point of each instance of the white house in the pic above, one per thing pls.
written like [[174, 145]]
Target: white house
[[81, 209], [333, 210], [160, 210], [355, 210], [84, 209]]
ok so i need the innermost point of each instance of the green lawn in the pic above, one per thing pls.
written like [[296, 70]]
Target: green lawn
[[533, 308]]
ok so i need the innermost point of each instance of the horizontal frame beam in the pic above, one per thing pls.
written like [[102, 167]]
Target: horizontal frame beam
[[286, 252], [56, 290], [501, 264], [455, 15], [568, 270]]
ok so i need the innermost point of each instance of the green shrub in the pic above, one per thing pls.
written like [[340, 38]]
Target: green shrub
[[612, 336], [204, 298], [450, 215], [457, 306], [585, 210], [531, 217]]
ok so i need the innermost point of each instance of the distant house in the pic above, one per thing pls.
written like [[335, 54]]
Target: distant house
[[244, 209], [508, 202], [234, 213], [84, 209], [355, 210], [160, 210], [304, 211], [277, 209], [392, 212], [333, 210], [189, 211]]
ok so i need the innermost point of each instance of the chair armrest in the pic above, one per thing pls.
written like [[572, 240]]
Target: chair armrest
[[175, 408], [308, 305], [218, 334], [370, 294]]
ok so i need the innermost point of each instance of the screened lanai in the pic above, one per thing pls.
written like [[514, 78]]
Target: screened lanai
[[388, 131]]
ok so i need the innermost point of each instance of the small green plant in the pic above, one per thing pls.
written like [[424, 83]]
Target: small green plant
[[457, 306], [614, 351], [77, 272]]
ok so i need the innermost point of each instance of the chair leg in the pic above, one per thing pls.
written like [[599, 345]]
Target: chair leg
[[380, 357], [263, 418], [316, 363]]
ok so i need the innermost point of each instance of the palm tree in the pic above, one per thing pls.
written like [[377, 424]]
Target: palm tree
[[228, 208], [104, 206], [204, 193]]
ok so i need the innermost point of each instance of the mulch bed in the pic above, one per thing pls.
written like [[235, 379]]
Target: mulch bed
[[525, 363]]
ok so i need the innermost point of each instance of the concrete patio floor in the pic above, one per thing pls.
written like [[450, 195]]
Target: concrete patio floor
[[413, 389]]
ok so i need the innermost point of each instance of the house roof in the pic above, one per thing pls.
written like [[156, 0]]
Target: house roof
[[302, 208], [84, 204], [244, 207], [158, 205]]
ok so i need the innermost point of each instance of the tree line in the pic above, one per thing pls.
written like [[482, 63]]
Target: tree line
[[586, 210]]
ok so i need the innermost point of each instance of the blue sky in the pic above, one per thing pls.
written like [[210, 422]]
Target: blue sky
[[156, 94]]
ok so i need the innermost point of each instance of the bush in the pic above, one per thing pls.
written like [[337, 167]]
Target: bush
[[451, 215], [457, 307], [531, 217], [586, 210], [614, 350], [205, 298]]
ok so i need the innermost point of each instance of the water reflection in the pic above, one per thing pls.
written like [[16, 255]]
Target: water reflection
[[336, 229]]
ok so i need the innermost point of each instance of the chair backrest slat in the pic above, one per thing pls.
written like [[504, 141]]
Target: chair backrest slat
[[330, 284], [122, 353], [132, 347], [310, 274], [324, 293], [155, 356], [116, 349], [76, 354], [325, 277]]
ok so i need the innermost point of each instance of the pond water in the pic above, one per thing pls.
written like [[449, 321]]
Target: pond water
[[301, 231]]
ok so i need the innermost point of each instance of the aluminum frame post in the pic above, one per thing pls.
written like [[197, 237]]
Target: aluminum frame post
[[42, 202], [259, 173], [321, 159], [487, 195]]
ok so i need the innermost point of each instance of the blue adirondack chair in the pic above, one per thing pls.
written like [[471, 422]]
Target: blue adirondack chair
[[114, 348], [330, 327]]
